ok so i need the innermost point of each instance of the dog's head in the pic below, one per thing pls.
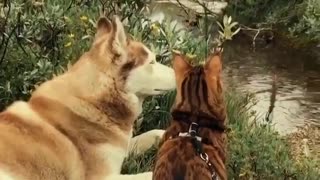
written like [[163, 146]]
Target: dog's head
[[129, 63]]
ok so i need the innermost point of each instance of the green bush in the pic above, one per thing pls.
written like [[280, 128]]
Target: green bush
[[39, 40], [309, 23]]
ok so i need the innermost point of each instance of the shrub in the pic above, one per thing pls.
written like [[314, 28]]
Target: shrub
[[299, 18], [309, 22], [36, 42]]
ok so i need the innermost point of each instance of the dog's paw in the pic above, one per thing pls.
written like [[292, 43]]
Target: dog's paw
[[157, 133], [145, 141], [147, 176]]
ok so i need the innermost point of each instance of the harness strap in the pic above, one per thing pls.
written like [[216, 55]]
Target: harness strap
[[193, 133], [202, 119], [196, 141], [204, 156], [186, 134]]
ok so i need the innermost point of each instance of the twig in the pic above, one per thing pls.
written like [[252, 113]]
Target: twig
[[6, 3], [254, 39], [20, 45], [204, 6], [103, 4], [69, 7], [33, 52], [183, 7], [206, 32], [7, 43], [245, 28]]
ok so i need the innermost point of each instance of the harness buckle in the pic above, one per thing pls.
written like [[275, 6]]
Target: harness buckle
[[193, 129]]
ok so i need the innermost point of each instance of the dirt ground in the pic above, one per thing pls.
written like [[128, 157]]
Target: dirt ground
[[306, 143]]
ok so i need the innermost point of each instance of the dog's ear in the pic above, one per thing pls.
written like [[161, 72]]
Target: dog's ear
[[120, 38], [104, 26], [129, 38]]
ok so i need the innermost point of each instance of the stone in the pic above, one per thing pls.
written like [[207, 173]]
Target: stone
[[215, 7]]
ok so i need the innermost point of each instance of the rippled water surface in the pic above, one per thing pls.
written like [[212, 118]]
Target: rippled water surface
[[294, 78]]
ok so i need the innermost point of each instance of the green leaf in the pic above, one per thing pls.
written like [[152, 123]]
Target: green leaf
[[219, 24], [229, 20], [225, 20], [236, 31], [233, 24]]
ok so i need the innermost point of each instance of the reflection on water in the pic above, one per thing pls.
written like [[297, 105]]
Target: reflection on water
[[297, 81], [297, 77]]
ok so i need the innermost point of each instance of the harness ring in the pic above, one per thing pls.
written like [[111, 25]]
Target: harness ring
[[205, 157]]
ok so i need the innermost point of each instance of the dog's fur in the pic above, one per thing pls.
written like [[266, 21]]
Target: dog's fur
[[200, 100], [79, 125]]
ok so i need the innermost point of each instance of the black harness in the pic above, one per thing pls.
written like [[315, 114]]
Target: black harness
[[202, 121]]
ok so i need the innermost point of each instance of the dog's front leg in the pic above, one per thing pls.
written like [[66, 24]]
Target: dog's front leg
[[145, 141], [140, 176]]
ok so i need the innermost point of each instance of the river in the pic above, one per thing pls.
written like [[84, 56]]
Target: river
[[292, 76]]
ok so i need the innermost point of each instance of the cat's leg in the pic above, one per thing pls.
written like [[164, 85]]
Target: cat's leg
[[145, 141], [140, 176]]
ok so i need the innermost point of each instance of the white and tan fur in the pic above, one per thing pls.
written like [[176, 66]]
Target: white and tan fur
[[79, 125]]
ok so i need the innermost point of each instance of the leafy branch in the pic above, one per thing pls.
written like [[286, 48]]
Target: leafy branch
[[226, 31]]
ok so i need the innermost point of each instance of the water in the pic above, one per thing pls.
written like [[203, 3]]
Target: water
[[296, 76]]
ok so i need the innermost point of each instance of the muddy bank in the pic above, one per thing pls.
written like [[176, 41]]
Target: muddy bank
[[305, 143]]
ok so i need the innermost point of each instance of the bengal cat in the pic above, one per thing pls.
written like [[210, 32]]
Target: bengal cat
[[193, 146]]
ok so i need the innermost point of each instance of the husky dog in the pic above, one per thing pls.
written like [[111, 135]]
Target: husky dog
[[78, 126]]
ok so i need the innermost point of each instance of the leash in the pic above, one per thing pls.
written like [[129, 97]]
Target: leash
[[197, 143], [201, 119]]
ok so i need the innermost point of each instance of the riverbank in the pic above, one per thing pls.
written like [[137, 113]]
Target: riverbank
[[305, 143]]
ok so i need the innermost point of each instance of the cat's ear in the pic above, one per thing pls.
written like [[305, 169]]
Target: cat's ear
[[180, 63], [214, 63]]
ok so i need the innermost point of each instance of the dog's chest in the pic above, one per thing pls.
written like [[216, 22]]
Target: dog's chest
[[112, 156]]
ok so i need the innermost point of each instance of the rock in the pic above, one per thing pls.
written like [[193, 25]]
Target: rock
[[215, 7]]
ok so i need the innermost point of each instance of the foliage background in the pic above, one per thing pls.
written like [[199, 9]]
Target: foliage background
[[298, 20], [39, 39]]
